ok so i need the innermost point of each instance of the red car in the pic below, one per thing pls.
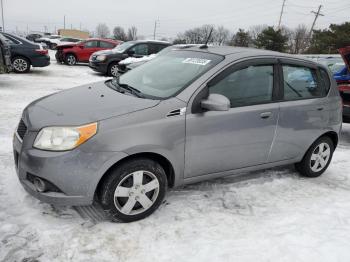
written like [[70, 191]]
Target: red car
[[71, 54], [343, 81]]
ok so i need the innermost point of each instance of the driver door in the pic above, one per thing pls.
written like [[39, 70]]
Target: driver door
[[90, 47], [218, 141]]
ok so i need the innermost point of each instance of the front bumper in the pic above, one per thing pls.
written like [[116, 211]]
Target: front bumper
[[75, 173], [98, 66]]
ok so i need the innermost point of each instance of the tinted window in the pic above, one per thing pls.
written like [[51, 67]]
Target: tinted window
[[300, 83], [325, 79], [91, 44], [155, 48], [247, 86], [141, 49], [106, 44]]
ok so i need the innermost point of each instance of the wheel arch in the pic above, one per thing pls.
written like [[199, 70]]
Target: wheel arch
[[162, 160]]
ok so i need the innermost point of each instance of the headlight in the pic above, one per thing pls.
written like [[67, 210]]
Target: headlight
[[101, 58], [64, 138]]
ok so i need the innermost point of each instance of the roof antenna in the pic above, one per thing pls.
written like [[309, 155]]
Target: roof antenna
[[208, 38]]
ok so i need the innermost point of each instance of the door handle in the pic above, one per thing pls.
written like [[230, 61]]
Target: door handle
[[265, 115], [319, 108]]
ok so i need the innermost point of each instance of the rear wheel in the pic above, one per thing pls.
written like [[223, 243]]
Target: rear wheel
[[113, 69], [21, 64], [70, 59], [133, 190], [317, 158]]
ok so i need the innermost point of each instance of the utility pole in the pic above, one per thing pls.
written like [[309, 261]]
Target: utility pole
[[2, 16], [156, 23], [282, 9], [317, 14], [64, 22]]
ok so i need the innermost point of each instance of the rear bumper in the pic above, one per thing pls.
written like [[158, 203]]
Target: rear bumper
[[41, 61], [75, 174]]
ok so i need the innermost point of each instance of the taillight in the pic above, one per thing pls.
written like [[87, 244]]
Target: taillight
[[42, 51]]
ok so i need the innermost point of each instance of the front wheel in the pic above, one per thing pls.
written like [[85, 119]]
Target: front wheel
[[133, 190], [317, 158], [21, 65], [113, 69]]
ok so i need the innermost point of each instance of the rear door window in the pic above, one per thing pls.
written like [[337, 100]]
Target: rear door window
[[301, 83], [140, 49], [104, 44], [91, 44]]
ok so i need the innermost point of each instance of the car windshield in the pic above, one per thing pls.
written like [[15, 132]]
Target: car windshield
[[168, 74], [121, 48]]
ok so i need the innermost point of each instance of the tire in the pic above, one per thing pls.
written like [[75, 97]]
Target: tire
[[20, 65], [141, 184], [113, 69], [70, 60], [314, 163]]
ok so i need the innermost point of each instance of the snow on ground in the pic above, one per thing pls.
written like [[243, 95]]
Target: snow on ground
[[272, 215]]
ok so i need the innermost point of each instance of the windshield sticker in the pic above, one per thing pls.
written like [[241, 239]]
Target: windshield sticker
[[196, 61]]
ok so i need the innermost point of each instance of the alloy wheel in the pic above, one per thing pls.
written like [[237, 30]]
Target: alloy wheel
[[320, 157], [71, 60], [136, 192], [114, 70], [20, 65]]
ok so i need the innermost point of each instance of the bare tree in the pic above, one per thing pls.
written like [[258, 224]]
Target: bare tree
[[299, 36], [132, 33], [221, 35], [255, 30], [102, 31], [119, 33]]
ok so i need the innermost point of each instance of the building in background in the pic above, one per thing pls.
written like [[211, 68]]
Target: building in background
[[73, 33]]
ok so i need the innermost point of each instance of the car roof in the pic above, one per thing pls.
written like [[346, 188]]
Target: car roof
[[150, 41], [242, 52], [102, 39]]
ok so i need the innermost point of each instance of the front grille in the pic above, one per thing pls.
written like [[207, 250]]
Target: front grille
[[21, 129]]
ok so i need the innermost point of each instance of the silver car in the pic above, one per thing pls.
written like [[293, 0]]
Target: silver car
[[189, 115]]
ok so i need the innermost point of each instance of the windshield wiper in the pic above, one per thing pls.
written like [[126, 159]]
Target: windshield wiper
[[131, 89]]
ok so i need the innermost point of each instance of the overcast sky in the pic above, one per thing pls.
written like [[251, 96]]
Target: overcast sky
[[174, 16]]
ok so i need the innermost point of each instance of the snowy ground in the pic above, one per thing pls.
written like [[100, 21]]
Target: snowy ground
[[273, 215]]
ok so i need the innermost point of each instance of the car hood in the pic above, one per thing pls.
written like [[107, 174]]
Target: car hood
[[82, 105], [345, 54]]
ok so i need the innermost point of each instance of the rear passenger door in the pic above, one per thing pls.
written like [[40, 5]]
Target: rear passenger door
[[304, 110]]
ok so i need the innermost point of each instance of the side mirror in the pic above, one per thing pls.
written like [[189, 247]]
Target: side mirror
[[81, 46], [216, 102], [130, 52]]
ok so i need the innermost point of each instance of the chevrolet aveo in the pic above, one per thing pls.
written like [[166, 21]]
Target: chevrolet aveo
[[186, 116]]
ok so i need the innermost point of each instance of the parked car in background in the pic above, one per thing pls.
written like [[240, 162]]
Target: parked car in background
[[63, 41], [186, 116], [34, 37], [25, 54], [71, 54], [5, 55], [106, 62], [47, 38], [343, 80], [133, 62]]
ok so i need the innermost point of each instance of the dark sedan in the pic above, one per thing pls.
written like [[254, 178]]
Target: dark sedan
[[25, 54], [106, 62]]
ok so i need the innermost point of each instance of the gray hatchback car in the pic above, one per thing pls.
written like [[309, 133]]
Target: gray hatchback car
[[186, 116]]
